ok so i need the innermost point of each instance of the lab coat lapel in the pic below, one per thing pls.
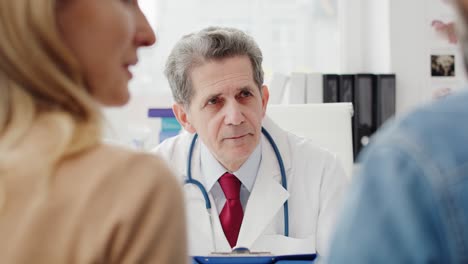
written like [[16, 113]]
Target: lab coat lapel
[[268, 195], [198, 219]]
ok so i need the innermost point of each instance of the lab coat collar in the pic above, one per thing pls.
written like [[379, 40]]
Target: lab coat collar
[[281, 140], [211, 169], [268, 195]]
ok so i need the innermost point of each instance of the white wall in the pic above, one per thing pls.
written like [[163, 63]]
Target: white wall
[[412, 42], [408, 49], [376, 36], [351, 38], [386, 36], [395, 36], [366, 36]]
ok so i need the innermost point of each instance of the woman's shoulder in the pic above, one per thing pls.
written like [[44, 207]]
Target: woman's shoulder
[[116, 179], [119, 197], [112, 168], [126, 159]]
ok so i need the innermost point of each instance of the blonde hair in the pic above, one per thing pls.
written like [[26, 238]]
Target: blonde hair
[[46, 113]]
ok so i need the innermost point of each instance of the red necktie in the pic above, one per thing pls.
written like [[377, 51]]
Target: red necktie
[[232, 214]]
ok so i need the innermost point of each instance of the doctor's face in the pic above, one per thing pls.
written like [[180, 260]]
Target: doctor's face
[[104, 36], [226, 109]]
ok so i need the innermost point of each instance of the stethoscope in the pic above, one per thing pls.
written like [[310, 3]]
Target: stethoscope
[[200, 186]]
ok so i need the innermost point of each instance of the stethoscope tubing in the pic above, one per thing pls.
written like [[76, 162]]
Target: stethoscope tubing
[[200, 186]]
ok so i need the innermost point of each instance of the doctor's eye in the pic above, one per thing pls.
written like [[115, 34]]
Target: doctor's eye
[[214, 100], [245, 93]]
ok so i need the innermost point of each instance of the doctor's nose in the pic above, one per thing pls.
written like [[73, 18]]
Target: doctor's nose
[[233, 115]]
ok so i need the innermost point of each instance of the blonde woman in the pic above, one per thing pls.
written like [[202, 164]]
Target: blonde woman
[[64, 196]]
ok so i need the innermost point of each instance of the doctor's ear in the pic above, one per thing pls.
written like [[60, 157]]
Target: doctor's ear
[[265, 97], [182, 117]]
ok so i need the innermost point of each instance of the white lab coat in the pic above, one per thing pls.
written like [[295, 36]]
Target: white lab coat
[[315, 181]]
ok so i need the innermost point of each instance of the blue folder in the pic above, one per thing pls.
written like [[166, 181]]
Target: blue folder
[[282, 259]]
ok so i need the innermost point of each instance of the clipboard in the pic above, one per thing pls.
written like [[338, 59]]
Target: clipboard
[[254, 259]]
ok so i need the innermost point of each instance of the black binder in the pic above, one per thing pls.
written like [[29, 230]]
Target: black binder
[[331, 88], [346, 95], [365, 122], [346, 91], [386, 97]]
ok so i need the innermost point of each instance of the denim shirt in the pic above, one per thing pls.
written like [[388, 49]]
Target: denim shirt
[[409, 201]]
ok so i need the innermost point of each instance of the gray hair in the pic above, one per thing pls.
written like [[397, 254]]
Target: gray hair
[[212, 43]]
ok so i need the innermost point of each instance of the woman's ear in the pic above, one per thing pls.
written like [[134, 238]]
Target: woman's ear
[[182, 116]]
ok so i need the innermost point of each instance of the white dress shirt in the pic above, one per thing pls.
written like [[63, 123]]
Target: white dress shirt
[[212, 170]]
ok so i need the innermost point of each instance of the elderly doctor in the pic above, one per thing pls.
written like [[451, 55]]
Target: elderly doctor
[[217, 83]]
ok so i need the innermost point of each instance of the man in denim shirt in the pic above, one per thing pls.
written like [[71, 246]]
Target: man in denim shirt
[[409, 201]]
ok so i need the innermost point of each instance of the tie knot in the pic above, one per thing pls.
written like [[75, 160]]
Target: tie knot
[[230, 185]]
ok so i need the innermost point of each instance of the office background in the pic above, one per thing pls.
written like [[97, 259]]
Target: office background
[[332, 36]]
